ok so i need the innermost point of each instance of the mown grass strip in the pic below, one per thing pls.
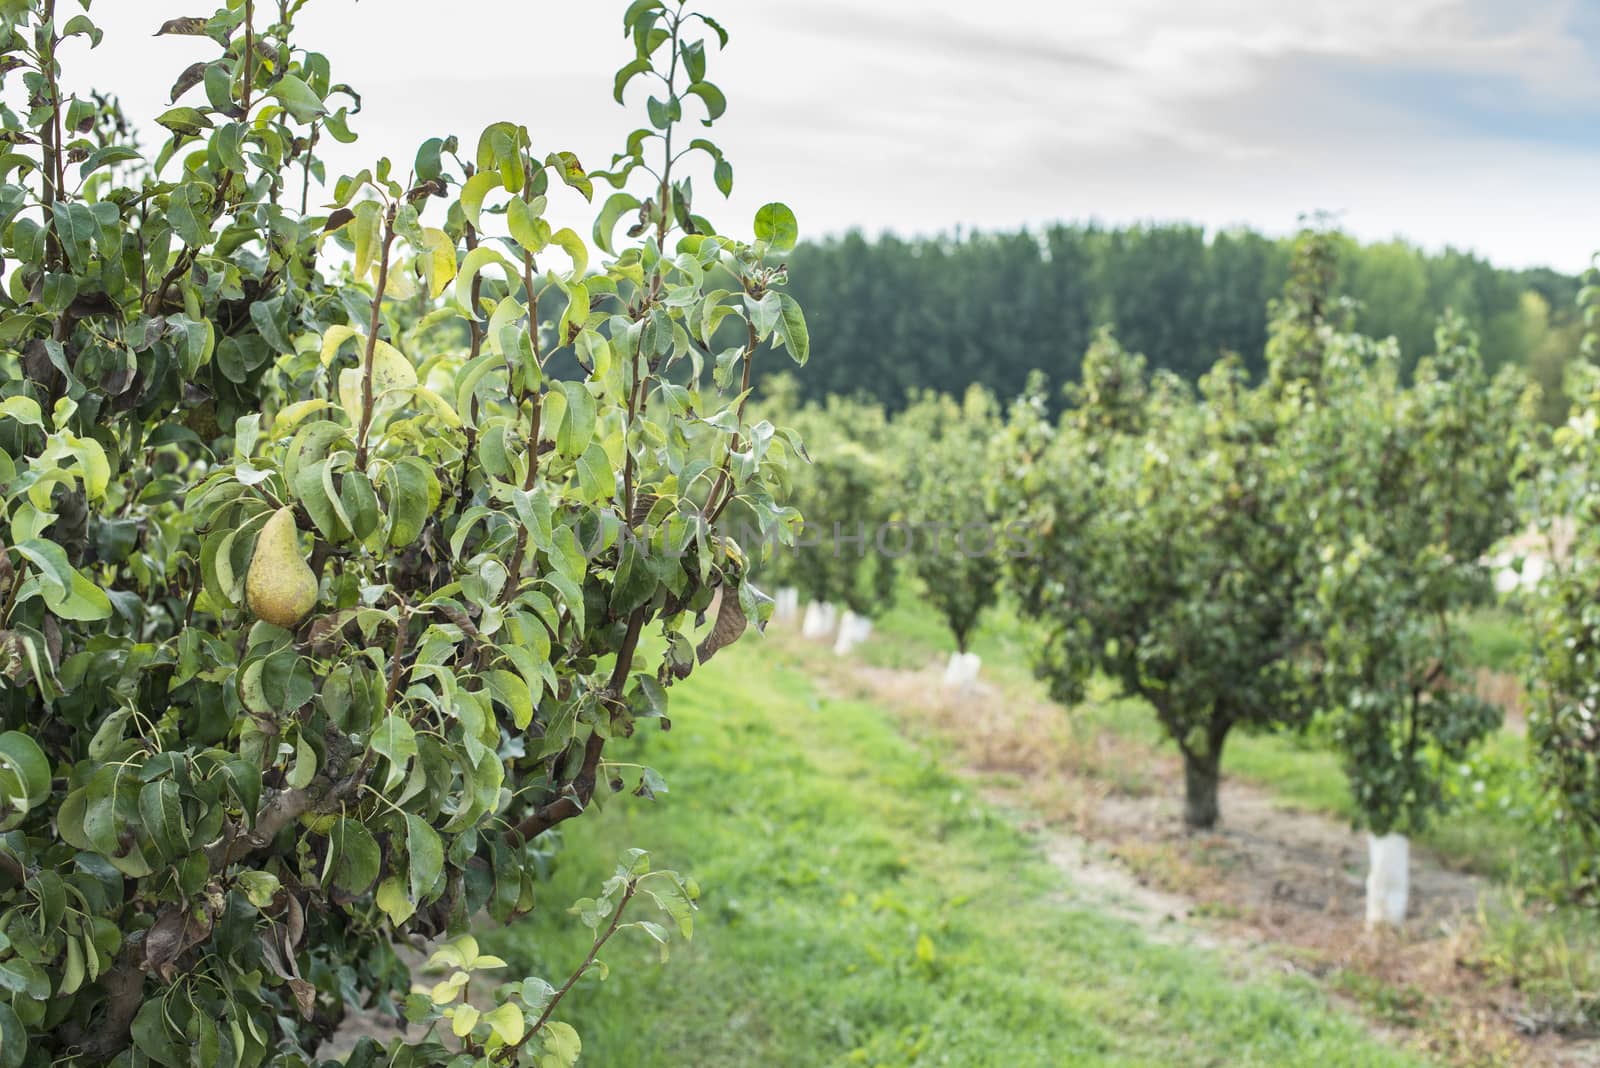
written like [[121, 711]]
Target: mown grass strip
[[861, 907]]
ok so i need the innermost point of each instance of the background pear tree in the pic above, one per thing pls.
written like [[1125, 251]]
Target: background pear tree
[[846, 484], [1564, 675], [507, 455], [1409, 487], [1165, 555], [958, 540]]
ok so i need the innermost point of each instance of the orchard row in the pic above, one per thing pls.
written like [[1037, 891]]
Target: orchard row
[[1294, 554]]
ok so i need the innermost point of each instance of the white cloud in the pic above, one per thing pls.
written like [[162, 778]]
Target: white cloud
[[917, 115]]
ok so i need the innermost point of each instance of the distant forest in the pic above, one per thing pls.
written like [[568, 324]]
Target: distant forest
[[890, 315]]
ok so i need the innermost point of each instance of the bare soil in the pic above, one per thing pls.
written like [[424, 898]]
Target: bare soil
[[1272, 887]]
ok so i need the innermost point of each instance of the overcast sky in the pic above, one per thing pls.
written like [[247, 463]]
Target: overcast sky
[[1474, 123]]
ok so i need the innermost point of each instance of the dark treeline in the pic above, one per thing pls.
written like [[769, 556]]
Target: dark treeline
[[891, 314]]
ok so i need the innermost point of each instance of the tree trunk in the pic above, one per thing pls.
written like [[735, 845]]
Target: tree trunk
[[1201, 774]]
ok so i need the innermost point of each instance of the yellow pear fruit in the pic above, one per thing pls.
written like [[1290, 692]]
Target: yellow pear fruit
[[279, 587]]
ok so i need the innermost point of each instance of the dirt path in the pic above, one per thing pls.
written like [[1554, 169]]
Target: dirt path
[[1273, 887]]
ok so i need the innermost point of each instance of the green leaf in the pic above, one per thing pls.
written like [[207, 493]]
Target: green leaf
[[510, 690], [359, 861], [272, 320], [793, 326], [578, 422], [626, 74], [635, 580], [392, 899], [298, 98], [596, 480], [366, 232], [425, 856], [574, 247], [392, 377], [605, 224], [24, 771], [394, 740], [766, 313], [13, 1038], [260, 887], [153, 1039], [162, 812], [305, 765], [24, 978], [471, 264], [777, 227], [66, 593], [561, 1041], [508, 1024], [75, 225], [527, 228], [716, 28], [428, 159], [185, 122], [472, 193], [189, 213], [243, 780], [694, 59], [82, 25], [715, 102], [413, 494], [360, 504]]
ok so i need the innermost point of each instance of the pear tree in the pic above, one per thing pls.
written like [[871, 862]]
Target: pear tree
[[1564, 674], [1409, 487], [326, 593], [957, 541], [845, 562], [1166, 555]]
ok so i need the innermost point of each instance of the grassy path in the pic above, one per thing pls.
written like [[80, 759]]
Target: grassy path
[[861, 907], [1494, 793]]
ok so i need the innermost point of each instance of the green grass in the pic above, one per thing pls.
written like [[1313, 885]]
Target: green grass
[[1498, 638], [859, 906]]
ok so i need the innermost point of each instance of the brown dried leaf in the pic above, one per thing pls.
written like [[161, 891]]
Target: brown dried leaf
[[641, 509], [272, 955], [726, 630], [305, 996], [328, 632], [173, 933], [193, 26], [192, 75], [52, 639], [294, 927], [13, 657], [455, 614]]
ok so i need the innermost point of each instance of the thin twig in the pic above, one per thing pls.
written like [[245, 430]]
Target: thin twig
[[588, 962]]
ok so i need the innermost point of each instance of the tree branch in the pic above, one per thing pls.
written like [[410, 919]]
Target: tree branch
[[576, 793], [588, 962]]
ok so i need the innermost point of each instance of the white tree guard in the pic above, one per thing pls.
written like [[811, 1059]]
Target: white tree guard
[[819, 621], [853, 630], [961, 672], [785, 604], [1388, 879], [1512, 574]]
